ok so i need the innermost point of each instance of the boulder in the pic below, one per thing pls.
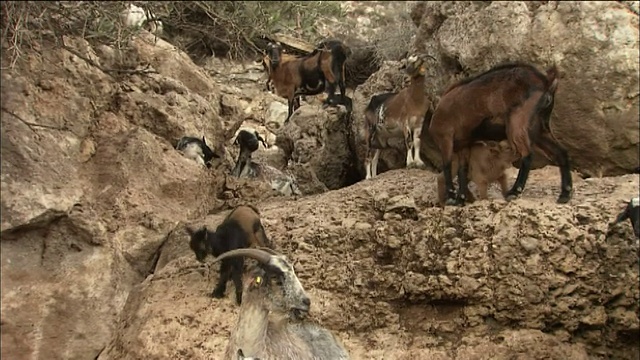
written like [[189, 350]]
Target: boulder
[[319, 137]]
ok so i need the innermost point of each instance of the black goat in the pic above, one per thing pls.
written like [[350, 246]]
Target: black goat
[[196, 149], [242, 228]]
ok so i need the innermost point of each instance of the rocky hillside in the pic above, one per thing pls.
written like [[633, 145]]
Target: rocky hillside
[[95, 261]]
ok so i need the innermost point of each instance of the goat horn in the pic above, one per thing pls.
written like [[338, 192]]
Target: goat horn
[[258, 254], [269, 250], [429, 56]]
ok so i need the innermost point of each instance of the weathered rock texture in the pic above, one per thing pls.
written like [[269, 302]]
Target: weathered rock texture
[[316, 140], [397, 278], [91, 186], [95, 263], [594, 44]]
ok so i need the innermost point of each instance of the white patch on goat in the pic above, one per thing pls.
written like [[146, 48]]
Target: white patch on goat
[[194, 151], [381, 114], [635, 201]]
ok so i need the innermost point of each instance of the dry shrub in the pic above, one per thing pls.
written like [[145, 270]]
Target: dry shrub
[[393, 39], [33, 25], [234, 29]]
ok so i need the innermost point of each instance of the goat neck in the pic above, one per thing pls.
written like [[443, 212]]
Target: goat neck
[[416, 88]]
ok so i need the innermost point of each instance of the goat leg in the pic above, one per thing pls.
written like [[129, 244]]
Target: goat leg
[[463, 183], [236, 276], [291, 103], [416, 148], [225, 274], [408, 141], [374, 163], [448, 183], [521, 180], [561, 157]]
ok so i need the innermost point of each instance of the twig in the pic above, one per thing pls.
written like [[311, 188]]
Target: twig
[[31, 125]]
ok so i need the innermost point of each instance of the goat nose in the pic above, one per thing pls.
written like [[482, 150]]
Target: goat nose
[[306, 301]]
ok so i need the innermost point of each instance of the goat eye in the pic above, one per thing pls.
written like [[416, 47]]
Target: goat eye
[[258, 280]]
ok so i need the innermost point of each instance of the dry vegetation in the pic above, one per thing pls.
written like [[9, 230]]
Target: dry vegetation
[[233, 29]]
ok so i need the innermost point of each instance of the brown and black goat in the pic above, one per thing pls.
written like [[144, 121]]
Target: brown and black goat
[[510, 101], [397, 115], [307, 75], [242, 228]]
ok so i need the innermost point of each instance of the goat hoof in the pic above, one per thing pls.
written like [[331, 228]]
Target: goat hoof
[[511, 196], [450, 202], [217, 294], [564, 198]]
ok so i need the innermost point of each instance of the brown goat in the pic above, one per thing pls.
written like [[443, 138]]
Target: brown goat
[[510, 101], [397, 115], [487, 164], [307, 75], [242, 228]]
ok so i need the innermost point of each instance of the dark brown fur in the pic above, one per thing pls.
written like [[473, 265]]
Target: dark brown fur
[[293, 76], [510, 101]]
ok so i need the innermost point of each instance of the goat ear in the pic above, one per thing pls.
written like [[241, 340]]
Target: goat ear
[[204, 141]]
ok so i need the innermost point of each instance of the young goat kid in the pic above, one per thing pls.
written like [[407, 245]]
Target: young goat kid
[[487, 164], [242, 228], [272, 322], [307, 75], [245, 167], [393, 115], [511, 101], [196, 149]]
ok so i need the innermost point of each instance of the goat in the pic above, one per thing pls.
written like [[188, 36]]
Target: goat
[[510, 101], [196, 149], [394, 115], [307, 75], [138, 17], [242, 228], [487, 164], [272, 297], [249, 139], [631, 212], [245, 167]]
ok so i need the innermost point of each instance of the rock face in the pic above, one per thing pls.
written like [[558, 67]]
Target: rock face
[[95, 261], [594, 44], [91, 186], [396, 278], [316, 140]]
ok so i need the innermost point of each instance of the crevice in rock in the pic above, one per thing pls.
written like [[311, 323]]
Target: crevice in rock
[[156, 254]]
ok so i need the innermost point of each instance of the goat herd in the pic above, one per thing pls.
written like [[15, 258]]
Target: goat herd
[[481, 125]]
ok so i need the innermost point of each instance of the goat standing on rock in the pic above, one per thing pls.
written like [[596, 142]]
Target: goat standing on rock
[[510, 101], [245, 167], [273, 296], [242, 228], [307, 75], [401, 114]]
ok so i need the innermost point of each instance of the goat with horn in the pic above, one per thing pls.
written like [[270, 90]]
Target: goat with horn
[[272, 322]]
